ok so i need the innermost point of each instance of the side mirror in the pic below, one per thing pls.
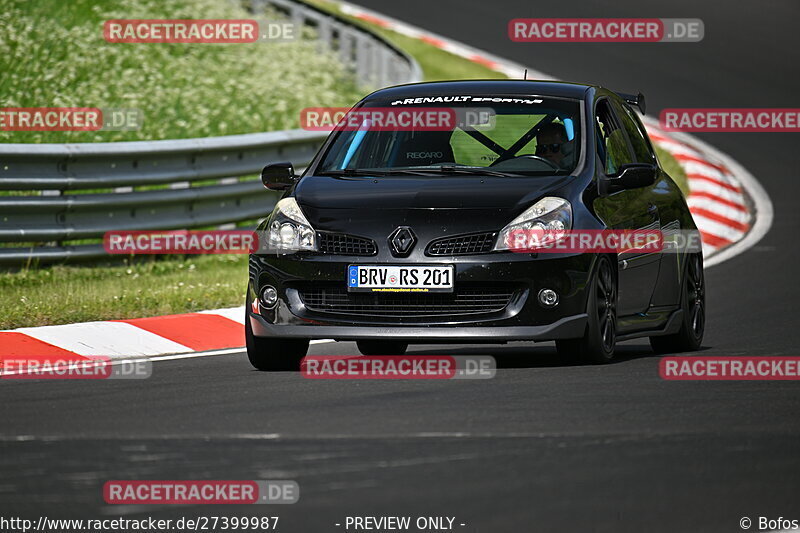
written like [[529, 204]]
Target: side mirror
[[278, 176], [632, 176]]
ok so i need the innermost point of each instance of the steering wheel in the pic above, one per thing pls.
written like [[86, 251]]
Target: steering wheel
[[529, 156]]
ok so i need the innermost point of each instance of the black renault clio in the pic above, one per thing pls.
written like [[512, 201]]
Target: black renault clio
[[392, 237]]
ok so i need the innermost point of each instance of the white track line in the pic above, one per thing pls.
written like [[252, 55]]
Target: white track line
[[226, 351]]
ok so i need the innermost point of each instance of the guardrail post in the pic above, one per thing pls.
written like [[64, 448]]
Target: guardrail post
[[324, 31], [347, 39]]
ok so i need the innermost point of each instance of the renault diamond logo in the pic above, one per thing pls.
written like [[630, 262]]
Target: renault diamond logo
[[401, 241]]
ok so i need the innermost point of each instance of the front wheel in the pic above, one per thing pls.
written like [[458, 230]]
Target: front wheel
[[693, 303], [271, 354], [597, 345]]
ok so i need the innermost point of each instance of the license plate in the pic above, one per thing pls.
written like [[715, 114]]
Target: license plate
[[387, 278]]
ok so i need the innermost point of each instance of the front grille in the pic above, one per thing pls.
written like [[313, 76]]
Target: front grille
[[465, 301], [341, 244], [479, 243]]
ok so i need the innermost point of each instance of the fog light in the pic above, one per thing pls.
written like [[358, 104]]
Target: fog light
[[548, 298], [269, 296]]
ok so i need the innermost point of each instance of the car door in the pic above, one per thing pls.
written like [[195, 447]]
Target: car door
[[631, 209], [663, 194]]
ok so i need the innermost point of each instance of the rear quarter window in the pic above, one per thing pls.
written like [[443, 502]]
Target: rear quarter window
[[636, 134]]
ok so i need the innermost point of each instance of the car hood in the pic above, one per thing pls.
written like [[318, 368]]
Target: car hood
[[411, 192], [446, 205]]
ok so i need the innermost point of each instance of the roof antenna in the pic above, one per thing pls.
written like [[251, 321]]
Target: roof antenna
[[526, 75]]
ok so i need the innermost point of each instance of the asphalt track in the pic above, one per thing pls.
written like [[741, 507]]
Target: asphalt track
[[543, 446]]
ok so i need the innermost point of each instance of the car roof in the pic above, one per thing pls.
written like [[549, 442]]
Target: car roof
[[467, 87]]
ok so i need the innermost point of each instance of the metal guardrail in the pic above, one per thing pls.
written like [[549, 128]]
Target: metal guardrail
[[375, 61], [109, 172], [77, 192]]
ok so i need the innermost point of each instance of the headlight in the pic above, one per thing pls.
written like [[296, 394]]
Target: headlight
[[289, 230], [549, 216]]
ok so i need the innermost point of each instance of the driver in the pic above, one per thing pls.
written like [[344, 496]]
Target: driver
[[552, 144]]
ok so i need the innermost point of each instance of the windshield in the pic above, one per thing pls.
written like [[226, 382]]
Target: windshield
[[502, 135]]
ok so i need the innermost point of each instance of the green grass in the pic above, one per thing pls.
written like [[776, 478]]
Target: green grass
[[149, 287], [66, 294], [52, 53]]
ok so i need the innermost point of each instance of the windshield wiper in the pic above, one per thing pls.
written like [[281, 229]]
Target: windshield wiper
[[351, 172], [445, 169], [347, 172], [451, 169]]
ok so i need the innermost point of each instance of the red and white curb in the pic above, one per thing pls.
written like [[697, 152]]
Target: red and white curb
[[716, 199], [124, 339], [215, 332], [729, 206]]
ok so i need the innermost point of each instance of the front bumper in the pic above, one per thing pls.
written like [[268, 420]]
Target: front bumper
[[523, 318], [565, 328]]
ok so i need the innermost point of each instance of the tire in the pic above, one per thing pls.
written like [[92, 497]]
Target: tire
[[273, 354], [382, 347], [597, 344], [693, 303]]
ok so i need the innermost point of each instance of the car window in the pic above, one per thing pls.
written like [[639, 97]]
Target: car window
[[524, 136], [505, 131], [612, 144], [636, 135]]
